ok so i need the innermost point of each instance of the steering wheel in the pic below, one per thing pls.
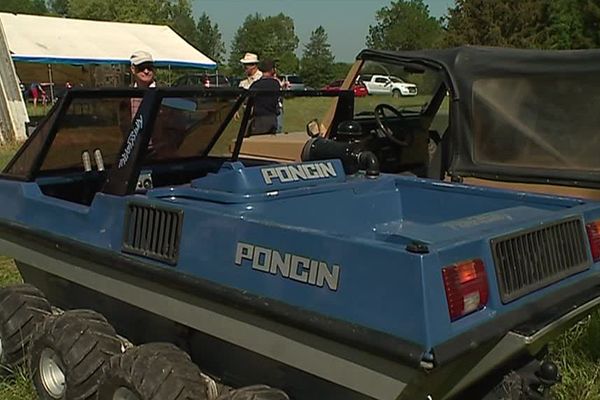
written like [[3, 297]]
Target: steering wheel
[[384, 124]]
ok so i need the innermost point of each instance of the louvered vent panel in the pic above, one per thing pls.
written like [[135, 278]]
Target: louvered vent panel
[[153, 232], [536, 258]]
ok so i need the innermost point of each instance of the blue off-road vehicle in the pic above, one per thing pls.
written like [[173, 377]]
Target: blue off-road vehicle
[[161, 265]]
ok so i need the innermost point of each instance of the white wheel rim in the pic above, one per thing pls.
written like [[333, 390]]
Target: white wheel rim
[[52, 374], [123, 393]]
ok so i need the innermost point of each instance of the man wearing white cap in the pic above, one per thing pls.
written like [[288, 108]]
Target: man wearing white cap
[[142, 69], [250, 63]]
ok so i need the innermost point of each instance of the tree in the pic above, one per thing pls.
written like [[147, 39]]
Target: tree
[[317, 60], [209, 40], [340, 69], [138, 11], [573, 24], [180, 19], [59, 7], [545, 24], [564, 28], [506, 23], [404, 25], [175, 13], [269, 37], [591, 22], [24, 6]]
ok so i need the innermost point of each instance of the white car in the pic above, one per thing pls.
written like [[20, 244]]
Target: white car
[[382, 84]]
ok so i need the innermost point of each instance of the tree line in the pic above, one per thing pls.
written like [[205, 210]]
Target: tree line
[[402, 25]]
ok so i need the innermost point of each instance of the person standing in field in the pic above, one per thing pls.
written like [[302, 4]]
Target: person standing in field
[[250, 63], [36, 91], [264, 112], [284, 86]]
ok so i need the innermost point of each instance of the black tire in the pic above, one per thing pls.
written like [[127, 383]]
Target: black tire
[[22, 307], [79, 343], [396, 93], [154, 371]]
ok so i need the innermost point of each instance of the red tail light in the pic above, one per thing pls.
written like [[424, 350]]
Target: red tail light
[[466, 287], [593, 232]]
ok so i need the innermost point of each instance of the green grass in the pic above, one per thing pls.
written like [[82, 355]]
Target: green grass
[[6, 153], [38, 111], [577, 352], [8, 272], [17, 387]]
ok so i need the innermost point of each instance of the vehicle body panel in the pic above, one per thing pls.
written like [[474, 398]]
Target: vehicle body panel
[[382, 84], [249, 257], [292, 82], [359, 88]]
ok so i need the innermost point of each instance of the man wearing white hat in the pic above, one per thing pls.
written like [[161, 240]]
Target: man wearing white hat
[[142, 69], [250, 63]]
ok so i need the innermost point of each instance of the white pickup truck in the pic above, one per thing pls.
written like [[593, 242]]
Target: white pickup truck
[[383, 84]]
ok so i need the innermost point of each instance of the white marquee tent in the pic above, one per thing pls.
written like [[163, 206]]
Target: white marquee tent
[[40, 39], [55, 40]]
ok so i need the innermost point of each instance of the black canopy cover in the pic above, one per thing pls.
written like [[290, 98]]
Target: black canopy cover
[[522, 115]]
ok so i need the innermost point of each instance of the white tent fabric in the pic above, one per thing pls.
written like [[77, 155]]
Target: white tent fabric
[[13, 113], [33, 38]]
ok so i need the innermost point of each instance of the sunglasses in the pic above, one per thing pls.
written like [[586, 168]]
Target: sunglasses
[[142, 67]]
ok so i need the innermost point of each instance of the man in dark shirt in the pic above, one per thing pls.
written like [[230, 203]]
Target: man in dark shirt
[[265, 104]]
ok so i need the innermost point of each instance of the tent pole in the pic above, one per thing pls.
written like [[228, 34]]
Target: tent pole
[[51, 82]]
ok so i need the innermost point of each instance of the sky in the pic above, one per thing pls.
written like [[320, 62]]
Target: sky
[[345, 21]]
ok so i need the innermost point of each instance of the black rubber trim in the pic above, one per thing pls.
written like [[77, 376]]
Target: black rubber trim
[[545, 316], [527, 319], [534, 175], [354, 335]]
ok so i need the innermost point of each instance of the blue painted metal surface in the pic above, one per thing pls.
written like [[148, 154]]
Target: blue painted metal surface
[[361, 225]]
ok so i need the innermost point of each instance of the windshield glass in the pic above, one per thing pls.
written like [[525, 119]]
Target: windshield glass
[[90, 126], [382, 81], [184, 127], [188, 127]]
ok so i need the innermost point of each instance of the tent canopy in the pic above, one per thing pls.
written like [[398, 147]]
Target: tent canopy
[[51, 40]]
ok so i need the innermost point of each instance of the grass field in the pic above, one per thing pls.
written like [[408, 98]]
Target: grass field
[[577, 352]]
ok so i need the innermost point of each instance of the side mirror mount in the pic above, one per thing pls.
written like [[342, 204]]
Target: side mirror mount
[[315, 129], [312, 128]]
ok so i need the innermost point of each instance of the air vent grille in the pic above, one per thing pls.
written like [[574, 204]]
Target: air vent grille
[[153, 232], [539, 257]]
